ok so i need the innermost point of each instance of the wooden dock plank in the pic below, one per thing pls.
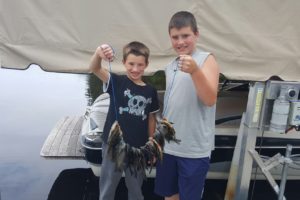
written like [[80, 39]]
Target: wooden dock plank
[[72, 148], [63, 146], [60, 133], [51, 137], [63, 141], [79, 149]]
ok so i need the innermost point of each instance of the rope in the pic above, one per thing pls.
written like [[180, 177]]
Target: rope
[[113, 92], [172, 83]]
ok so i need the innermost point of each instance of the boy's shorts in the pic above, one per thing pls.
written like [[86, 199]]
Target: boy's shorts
[[185, 176]]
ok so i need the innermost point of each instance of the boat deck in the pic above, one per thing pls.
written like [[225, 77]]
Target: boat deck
[[63, 142]]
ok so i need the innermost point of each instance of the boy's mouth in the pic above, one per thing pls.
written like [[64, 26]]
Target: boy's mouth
[[134, 74], [182, 48]]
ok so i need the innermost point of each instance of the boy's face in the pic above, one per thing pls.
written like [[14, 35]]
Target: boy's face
[[135, 66], [183, 40]]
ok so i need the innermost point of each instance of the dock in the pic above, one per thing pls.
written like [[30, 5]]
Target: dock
[[63, 142]]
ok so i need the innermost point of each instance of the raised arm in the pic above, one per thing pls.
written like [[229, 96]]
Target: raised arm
[[102, 52], [205, 79]]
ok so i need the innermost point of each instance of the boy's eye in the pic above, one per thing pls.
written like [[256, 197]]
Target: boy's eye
[[185, 36]]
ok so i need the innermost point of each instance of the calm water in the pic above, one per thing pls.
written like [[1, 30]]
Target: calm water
[[31, 103]]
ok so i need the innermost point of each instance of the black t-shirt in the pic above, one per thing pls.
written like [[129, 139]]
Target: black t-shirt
[[133, 105]]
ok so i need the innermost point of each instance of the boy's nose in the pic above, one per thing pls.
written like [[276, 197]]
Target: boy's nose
[[180, 40], [135, 68]]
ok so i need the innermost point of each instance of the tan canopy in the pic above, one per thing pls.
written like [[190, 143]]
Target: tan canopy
[[252, 40]]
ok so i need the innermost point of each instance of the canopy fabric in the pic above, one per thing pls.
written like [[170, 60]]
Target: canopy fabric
[[252, 40]]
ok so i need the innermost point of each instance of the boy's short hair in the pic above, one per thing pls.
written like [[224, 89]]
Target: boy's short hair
[[137, 49], [183, 19]]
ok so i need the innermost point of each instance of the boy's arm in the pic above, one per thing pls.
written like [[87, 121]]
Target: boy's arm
[[102, 52], [152, 124], [205, 79], [151, 130]]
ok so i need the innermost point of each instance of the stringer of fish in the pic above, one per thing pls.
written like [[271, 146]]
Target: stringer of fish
[[126, 156]]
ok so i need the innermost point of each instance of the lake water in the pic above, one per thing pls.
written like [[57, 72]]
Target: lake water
[[32, 101]]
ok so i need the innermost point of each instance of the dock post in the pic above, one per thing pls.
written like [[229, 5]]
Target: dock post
[[284, 172], [241, 165]]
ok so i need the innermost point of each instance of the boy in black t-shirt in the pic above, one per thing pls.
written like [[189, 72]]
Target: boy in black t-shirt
[[133, 104]]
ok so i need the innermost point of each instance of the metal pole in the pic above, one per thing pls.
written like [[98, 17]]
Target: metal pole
[[284, 171]]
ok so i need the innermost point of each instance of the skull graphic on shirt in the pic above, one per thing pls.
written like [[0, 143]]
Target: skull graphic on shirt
[[136, 104]]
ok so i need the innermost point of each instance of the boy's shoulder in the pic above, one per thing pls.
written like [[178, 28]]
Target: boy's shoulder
[[201, 56], [202, 52]]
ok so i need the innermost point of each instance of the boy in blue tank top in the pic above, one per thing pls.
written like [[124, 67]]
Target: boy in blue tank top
[[133, 104], [190, 102]]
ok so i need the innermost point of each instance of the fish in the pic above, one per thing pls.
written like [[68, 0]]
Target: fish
[[164, 131], [126, 156], [117, 148], [150, 152], [136, 160], [166, 128]]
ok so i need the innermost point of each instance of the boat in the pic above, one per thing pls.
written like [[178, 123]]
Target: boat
[[231, 104], [250, 48], [91, 130]]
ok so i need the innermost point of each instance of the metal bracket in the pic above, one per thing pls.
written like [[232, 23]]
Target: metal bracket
[[265, 169]]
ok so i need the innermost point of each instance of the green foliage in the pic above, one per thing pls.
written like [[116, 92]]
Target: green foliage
[[93, 89], [158, 80]]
